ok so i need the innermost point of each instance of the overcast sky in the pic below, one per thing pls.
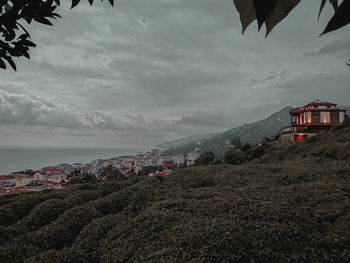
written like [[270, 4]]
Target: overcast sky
[[148, 71]]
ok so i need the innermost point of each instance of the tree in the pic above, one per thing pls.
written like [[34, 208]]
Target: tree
[[205, 159], [81, 177], [15, 40], [110, 173], [236, 157], [271, 12]]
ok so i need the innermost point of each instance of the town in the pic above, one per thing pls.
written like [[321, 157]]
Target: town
[[52, 177]]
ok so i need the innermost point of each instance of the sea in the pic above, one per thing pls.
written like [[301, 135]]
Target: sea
[[19, 158]]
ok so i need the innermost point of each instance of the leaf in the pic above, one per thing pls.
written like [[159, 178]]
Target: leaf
[[43, 20], [282, 9], [246, 12], [12, 64], [2, 64], [263, 9], [321, 8], [334, 4], [74, 3], [26, 54], [340, 18]]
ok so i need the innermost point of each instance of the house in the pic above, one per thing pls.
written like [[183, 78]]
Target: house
[[39, 176], [179, 159], [311, 119]]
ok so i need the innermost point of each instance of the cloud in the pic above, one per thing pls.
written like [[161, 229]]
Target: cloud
[[22, 110], [102, 74], [339, 46]]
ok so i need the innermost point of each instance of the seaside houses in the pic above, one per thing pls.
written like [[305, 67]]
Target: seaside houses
[[311, 119], [179, 159], [191, 156]]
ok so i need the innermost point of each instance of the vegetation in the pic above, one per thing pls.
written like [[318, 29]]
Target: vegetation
[[15, 39], [271, 12], [252, 133], [110, 173], [146, 170], [289, 205], [80, 177], [205, 159]]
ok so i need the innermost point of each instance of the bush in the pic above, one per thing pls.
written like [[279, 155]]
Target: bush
[[81, 177], [235, 157], [205, 159], [258, 152], [110, 173]]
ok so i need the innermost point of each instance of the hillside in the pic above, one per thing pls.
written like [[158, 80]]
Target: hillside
[[251, 133], [184, 141], [291, 205]]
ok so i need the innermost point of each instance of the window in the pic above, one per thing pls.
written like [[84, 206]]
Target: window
[[315, 117], [329, 106], [335, 116]]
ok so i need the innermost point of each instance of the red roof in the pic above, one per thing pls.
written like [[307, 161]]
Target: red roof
[[296, 110], [5, 177], [316, 103], [45, 182]]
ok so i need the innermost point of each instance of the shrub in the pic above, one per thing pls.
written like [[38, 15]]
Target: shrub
[[110, 173], [81, 177], [235, 157], [258, 152], [205, 159]]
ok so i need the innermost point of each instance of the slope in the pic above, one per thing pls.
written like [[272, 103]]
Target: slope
[[293, 209]]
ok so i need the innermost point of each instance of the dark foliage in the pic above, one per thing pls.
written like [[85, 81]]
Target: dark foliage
[[205, 159], [15, 40], [146, 170], [81, 177], [272, 12], [110, 173], [234, 156]]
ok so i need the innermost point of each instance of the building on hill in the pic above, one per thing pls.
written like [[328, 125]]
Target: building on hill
[[311, 119]]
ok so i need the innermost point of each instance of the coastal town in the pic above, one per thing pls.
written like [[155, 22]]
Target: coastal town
[[53, 177]]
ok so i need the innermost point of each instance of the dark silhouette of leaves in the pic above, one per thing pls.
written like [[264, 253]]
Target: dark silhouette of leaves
[[340, 18], [263, 9], [271, 12], [15, 40]]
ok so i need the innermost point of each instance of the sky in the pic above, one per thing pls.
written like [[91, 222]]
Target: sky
[[145, 72]]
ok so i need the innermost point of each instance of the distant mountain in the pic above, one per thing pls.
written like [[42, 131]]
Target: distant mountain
[[217, 142], [247, 133], [185, 140]]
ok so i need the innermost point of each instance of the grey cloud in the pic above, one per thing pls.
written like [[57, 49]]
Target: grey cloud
[[107, 76], [21, 110], [342, 46]]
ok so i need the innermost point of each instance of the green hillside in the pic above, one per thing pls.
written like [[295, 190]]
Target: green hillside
[[291, 205], [251, 133]]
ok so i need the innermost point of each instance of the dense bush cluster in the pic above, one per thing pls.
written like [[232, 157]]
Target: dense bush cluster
[[205, 159], [255, 212], [146, 170], [241, 153]]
